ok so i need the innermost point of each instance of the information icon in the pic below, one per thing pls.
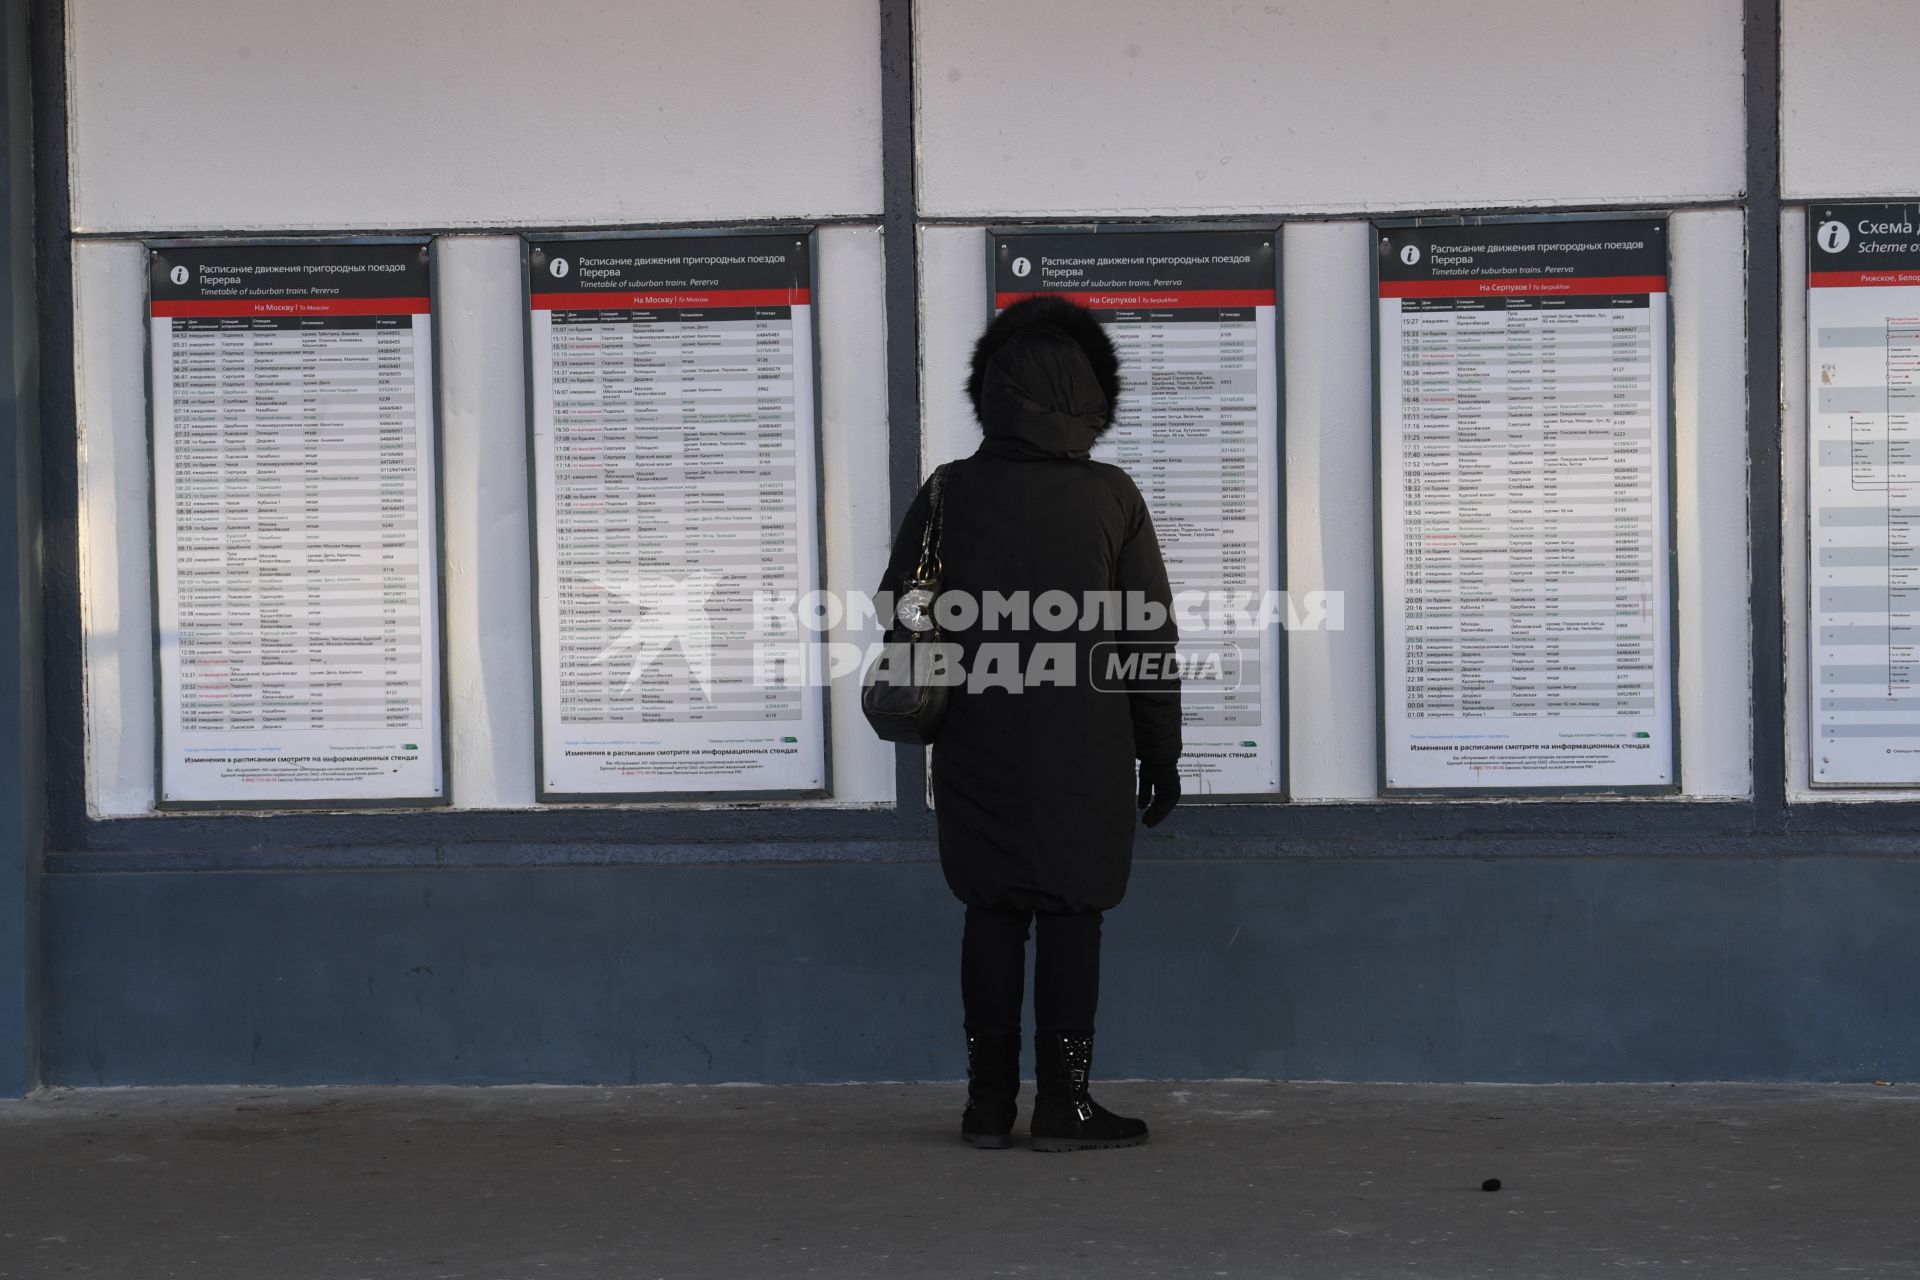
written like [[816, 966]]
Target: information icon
[[559, 268], [179, 275], [1021, 267], [1833, 236], [1410, 254]]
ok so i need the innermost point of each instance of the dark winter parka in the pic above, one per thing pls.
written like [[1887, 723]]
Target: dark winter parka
[[1034, 789]]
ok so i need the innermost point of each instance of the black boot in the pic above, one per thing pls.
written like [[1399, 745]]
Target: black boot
[[1065, 1116], [993, 1082]]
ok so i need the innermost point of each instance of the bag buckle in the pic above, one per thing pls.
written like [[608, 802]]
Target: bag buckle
[[915, 608]]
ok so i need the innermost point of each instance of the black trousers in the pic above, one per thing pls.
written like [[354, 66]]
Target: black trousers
[[1066, 970]]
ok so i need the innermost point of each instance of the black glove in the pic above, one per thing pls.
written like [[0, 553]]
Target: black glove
[[1159, 792]]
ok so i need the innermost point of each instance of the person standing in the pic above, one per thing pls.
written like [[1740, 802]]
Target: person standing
[[1035, 787]]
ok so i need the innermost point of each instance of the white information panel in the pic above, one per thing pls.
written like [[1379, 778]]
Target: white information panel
[[676, 498], [1863, 464], [1525, 507], [295, 525], [1192, 315]]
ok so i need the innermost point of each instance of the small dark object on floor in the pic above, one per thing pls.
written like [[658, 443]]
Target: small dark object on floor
[[1491, 1184]]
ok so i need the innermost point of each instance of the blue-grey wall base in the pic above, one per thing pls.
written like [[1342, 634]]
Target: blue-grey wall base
[[1516, 970]]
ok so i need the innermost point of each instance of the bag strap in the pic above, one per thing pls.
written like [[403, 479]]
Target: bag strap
[[930, 566]]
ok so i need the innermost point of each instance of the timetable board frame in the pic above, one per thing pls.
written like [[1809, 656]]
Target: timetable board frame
[[1863, 260], [815, 728], [1665, 557], [1273, 522], [430, 489]]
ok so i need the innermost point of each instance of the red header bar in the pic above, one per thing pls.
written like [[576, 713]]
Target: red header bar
[[1860, 279], [1522, 287], [649, 300], [1136, 298], [282, 307]]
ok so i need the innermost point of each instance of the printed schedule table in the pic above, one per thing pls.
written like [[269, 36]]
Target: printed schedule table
[[676, 483], [1524, 507], [1192, 317], [294, 522], [674, 453], [1863, 441], [1189, 435]]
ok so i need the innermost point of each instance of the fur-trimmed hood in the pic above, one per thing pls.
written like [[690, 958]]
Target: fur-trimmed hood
[[1045, 378]]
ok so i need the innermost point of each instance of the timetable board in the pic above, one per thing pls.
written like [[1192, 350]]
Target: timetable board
[[295, 514], [1524, 464], [1193, 316], [1863, 467], [675, 472]]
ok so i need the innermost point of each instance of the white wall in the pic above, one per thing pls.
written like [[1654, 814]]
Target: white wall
[[1329, 482], [116, 569], [854, 478], [1715, 647], [489, 624], [284, 114], [953, 308], [483, 478], [1846, 89], [1152, 107], [276, 115], [1327, 318]]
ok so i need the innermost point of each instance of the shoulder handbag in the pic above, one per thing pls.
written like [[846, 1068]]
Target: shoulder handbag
[[902, 693]]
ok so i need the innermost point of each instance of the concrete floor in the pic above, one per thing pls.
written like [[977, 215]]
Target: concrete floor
[[1242, 1179]]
